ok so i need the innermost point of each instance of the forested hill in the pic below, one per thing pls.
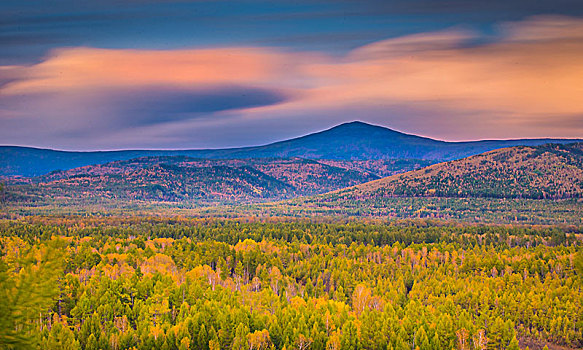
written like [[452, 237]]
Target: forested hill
[[186, 180], [349, 141], [549, 171]]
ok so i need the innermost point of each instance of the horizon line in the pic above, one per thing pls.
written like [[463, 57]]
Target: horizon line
[[356, 121]]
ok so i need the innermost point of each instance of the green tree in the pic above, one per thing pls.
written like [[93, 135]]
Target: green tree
[[61, 337], [27, 294], [513, 344], [240, 340]]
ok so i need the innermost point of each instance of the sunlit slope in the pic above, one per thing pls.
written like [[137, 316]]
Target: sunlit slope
[[549, 171]]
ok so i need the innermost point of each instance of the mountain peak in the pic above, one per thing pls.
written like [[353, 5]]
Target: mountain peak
[[358, 127], [354, 123], [359, 124], [354, 140]]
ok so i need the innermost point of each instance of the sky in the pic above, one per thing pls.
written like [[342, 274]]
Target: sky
[[162, 74]]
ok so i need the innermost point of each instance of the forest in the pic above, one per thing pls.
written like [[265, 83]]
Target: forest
[[549, 171], [188, 283]]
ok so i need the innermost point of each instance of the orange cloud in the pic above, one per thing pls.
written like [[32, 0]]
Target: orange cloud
[[515, 77], [534, 71], [88, 68]]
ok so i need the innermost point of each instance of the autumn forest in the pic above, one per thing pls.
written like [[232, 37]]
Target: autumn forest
[[152, 283], [291, 175]]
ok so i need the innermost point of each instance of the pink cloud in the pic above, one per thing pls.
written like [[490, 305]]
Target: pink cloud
[[91, 68], [533, 74]]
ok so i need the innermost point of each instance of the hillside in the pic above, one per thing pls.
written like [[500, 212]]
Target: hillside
[[349, 141], [535, 185], [549, 171], [185, 180]]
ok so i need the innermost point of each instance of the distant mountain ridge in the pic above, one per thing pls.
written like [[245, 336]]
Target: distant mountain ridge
[[348, 141], [181, 179]]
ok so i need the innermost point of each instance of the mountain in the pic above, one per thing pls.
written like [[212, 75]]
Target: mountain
[[523, 184], [185, 180], [349, 141], [550, 171]]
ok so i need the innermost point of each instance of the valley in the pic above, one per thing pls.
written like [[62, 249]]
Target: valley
[[291, 175], [518, 185], [323, 251]]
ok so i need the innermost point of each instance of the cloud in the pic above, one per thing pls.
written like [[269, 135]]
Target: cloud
[[90, 68], [440, 84], [515, 76], [156, 105], [544, 28]]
